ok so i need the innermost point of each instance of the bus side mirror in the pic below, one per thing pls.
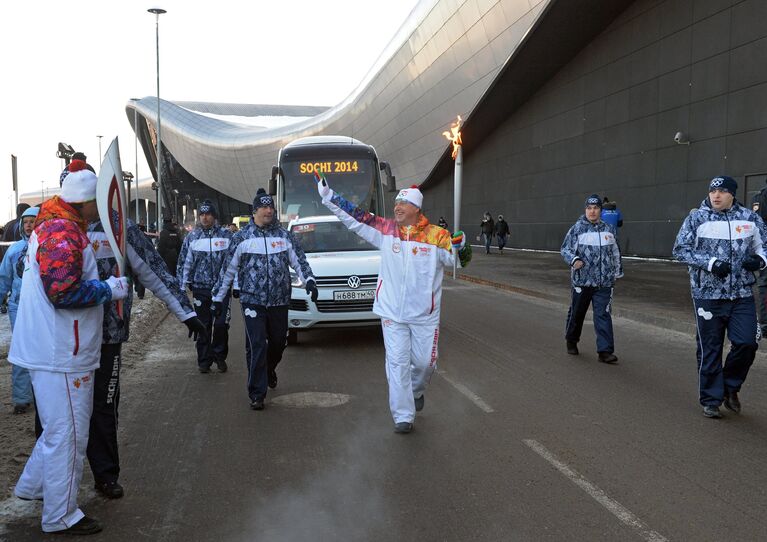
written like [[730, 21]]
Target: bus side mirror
[[391, 180], [272, 185]]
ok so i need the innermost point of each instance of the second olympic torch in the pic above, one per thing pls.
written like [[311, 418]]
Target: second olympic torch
[[454, 136]]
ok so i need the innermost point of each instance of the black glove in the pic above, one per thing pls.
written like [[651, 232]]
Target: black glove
[[216, 308], [753, 263], [721, 269], [196, 328], [311, 288], [235, 293]]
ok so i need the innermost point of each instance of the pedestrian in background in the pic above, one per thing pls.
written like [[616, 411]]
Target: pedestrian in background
[[487, 230], [13, 230], [611, 214], [11, 270], [199, 266], [502, 232], [723, 245], [442, 223], [169, 245], [591, 252]]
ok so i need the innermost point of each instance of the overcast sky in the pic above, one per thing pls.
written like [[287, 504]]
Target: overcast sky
[[70, 67]]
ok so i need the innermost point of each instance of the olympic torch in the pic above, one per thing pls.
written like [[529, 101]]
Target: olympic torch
[[112, 207], [454, 136]]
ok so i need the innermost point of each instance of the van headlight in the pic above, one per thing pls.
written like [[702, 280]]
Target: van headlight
[[295, 282]]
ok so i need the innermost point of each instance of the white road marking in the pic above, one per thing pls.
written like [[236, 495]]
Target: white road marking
[[614, 507], [473, 397]]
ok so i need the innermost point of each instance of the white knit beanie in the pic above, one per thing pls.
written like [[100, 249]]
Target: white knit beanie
[[411, 195], [80, 185]]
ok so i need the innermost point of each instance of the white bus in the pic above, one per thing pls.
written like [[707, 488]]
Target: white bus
[[345, 265]]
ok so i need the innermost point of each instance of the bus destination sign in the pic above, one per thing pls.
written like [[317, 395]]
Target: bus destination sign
[[335, 166]]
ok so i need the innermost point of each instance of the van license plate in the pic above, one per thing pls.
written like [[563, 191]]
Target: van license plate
[[353, 295]]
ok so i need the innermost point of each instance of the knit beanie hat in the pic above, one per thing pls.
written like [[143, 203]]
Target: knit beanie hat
[[594, 199], [80, 184], [411, 195], [723, 182], [32, 211], [262, 199], [208, 207]]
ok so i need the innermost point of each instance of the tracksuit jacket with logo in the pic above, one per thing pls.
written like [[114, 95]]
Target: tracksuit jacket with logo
[[260, 259], [202, 255], [731, 236], [146, 264], [595, 245], [409, 288]]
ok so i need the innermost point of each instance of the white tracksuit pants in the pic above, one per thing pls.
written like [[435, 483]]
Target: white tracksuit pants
[[55, 468], [411, 358]]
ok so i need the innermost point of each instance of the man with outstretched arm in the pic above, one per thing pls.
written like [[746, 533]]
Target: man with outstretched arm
[[723, 245], [58, 338], [409, 290], [261, 255], [199, 266], [146, 264]]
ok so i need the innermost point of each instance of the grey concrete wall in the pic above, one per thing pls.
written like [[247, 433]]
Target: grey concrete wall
[[606, 124]]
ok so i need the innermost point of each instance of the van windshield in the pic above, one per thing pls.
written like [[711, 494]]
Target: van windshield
[[328, 237]]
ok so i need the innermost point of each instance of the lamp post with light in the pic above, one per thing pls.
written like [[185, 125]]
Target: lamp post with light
[[157, 12]]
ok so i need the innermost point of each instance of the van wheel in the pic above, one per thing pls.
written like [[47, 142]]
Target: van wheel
[[292, 336]]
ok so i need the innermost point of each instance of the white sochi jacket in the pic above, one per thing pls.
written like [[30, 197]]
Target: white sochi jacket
[[409, 288]]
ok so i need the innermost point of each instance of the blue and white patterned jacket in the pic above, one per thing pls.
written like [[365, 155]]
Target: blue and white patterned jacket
[[260, 258], [201, 258], [595, 245], [731, 236], [147, 265]]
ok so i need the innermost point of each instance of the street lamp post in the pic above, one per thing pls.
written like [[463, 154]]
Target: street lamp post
[[99, 136], [135, 131], [157, 12]]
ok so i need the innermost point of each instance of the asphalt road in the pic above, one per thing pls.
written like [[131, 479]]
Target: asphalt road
[[518, 441]]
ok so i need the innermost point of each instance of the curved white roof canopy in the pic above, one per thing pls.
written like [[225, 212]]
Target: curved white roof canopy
[[439, 64]]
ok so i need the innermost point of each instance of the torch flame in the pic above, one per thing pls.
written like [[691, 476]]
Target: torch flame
[[454, 136]]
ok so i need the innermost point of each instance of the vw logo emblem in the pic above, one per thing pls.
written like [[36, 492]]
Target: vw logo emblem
[[353, 282]]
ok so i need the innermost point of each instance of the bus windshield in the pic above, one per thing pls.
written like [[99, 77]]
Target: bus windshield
[[328, 237], [354, 178]]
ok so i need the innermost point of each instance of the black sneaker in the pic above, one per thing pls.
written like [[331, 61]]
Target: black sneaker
[[20, 408], [731, 402], [257, 404], [572, 348], [711, 411], [272, 379], [222, 366], [110, 490], [84, 526], [608, 357], [204, 368], [403, 427], [419, 403]]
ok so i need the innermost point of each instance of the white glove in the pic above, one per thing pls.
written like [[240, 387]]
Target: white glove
[[322, 187], [119, 287]]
